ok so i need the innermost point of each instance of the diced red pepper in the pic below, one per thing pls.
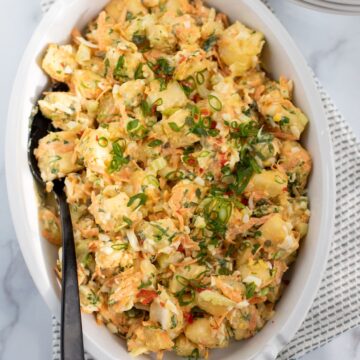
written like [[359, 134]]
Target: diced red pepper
[[199, 290], [153, 109], [182, 59], [189, 318], [196, 98], [223, 159], [256, 300], [245, 201], [191, 161], [147, 296], [213, 124], [181, 248]]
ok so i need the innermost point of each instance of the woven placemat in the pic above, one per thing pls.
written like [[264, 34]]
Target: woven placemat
[[336, 308]]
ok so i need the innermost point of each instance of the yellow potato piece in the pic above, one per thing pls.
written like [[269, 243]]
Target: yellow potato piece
[[270, 183]]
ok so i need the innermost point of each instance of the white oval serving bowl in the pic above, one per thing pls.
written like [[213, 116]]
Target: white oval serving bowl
[[281, 57]]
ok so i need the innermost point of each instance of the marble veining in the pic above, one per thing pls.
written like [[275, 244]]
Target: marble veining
[[331, 46]]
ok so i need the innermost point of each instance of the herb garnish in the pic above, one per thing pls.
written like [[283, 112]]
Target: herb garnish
[[118, 159], [250, 290], [210, 42], [141, 197]]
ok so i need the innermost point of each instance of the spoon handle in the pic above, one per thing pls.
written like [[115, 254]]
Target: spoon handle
[[72, 347]]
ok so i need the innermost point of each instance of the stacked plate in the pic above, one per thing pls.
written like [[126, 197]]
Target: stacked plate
[[346, 7]]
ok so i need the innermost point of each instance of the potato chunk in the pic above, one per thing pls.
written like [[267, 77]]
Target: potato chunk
[[183, 198], [161, 37], [111, 256], [88, 84], [149, 338], [172, 97], [284, 115], [129, 93], [239, 48], [50, 226], [115, 8], [158, 236], [55, 155], [182, 274], [214, 303], [95, 149], [191, 63], [64, 109], [59, 62], [269, 183], [166, 311], [296, 161], [206, 332], [185, 348], [122, 290], [110, 211], [177, 130], [279, 233], [257, 272]]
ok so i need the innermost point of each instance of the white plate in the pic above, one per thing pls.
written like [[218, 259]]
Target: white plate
[[345, 2], [330, 7], [334, 5], [282, 57]]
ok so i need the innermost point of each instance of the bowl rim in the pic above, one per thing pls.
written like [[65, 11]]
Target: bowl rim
[[276, 342]]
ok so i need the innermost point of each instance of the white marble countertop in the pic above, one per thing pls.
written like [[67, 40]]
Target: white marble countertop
[[331, 45]]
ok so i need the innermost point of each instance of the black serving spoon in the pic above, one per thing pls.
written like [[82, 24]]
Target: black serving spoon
[[72, 347]]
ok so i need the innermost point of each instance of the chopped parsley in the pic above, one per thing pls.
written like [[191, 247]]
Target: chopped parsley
[[119, 71], [250, 290], [210, 42]]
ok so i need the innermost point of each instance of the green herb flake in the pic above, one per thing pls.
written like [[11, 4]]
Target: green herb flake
[[198, 193], [210, 42], [119, 247], [129, 16], [250, 290], [173, 322], [92, 298], [119, 71], [195, 355], [144, 284], [127, 220], [141, 197], [145, 108], [155, 143], [132, 125], [107, 65], [284, 121], [118, 159], [139, 72], [175, 127], [141, 41]]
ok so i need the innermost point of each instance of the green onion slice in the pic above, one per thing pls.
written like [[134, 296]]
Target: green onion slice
[[214, 102], [141, 197], [155, 143], [103, 141], [200, 77]]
